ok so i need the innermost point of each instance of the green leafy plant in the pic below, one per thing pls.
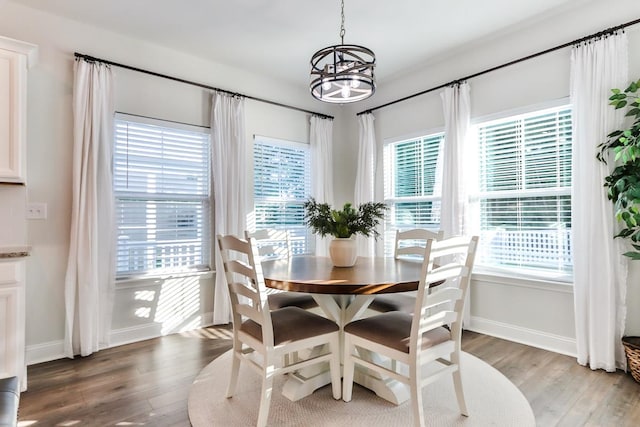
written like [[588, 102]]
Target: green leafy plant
[[624, 181], [323, 220]]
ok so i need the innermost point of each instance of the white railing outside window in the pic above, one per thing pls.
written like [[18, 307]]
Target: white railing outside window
[[529, 249]]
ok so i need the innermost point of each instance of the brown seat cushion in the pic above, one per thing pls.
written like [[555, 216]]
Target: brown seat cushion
[[394, 302], [393, 330], [291, 299], [291, 324]]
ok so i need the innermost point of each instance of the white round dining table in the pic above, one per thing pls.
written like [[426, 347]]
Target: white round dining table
[[343, 294]]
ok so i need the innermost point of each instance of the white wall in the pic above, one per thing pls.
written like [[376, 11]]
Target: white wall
[[529, 311], [143, 308], [13, 211]]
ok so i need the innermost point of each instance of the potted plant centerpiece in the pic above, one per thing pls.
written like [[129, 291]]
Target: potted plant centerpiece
[[343, 225], [623, 185]]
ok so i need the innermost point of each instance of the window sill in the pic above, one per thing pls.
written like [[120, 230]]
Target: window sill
[[541, 282]]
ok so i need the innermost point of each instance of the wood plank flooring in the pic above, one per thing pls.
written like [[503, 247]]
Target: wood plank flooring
[[147, 384]]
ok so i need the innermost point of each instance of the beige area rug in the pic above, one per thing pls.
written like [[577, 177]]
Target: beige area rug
[[492, 400]]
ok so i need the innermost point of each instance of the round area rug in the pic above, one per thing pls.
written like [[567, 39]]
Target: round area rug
[[492, 400]]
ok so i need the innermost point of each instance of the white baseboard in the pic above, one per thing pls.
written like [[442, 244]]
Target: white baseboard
[[134, 334], [519, 334], [144, 332], [46, 352], [53, 350]]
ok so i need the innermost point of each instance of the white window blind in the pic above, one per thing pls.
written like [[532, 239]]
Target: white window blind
[[525, 191], [282, 183], [413, 185], [161, 184]]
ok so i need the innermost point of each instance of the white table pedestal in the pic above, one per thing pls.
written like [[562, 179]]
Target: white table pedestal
[[343, 309]]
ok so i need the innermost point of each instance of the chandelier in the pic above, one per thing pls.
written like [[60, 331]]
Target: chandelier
[[342, 73]]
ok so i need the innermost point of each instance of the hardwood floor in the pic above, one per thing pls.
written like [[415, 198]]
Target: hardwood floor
[[147, 384], [561, 392]]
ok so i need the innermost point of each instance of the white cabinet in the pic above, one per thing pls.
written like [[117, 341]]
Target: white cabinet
[[15, 58], [12, 320]]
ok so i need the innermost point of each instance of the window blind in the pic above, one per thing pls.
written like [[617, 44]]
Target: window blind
[[525, 191], [282, 183], [413, 185], [161, 183]]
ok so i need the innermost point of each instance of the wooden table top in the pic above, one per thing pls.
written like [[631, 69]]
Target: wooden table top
[[318, 275]]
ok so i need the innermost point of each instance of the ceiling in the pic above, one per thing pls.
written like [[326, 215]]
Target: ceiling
[[278, 37]]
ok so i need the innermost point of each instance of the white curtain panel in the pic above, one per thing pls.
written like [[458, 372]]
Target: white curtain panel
[[321, 140], [365, 175], [600, 271], [90, 277], [457, 117], [456, 104], [231, 187]]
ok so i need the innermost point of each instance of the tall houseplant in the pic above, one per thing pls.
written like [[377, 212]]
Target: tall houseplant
[[624, 181], [343, 225], [623, 185]]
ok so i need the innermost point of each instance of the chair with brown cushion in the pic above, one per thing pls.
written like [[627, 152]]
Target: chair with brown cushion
[[275, 244], [422, 338], [409, 244], [273, 335]]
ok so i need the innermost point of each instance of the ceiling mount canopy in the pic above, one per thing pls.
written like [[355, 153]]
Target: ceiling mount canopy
[[343, 73]]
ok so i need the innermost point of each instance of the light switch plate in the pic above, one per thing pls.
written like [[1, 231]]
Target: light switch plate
[[37, 211]]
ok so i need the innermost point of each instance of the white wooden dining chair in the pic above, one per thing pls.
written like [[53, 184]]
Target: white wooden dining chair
[[272, 243], [408, 244], [276, 244], [271, 334], [429, 336], [412, 243]]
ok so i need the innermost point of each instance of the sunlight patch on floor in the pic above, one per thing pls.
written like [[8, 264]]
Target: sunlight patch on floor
[[210, 333]]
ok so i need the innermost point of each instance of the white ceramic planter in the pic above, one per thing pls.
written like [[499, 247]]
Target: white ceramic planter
[[343, 252]]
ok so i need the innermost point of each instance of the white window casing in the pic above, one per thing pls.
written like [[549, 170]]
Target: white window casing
[[161, 173], [412, 185], [524, 193], [282, 183]]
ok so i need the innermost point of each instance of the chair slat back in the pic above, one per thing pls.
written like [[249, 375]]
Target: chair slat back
[[443, 305], [435, 321], [440, 296], [245, 282], [412, 243], [272, 243]]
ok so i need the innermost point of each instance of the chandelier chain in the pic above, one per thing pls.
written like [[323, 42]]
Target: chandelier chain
[[342, 24]]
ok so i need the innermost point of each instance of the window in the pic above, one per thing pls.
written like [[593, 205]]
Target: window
[[282, 183], [161, 185], [525, 191], [413, 181]]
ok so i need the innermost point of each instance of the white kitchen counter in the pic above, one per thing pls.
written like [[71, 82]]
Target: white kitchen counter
[[14, 251]]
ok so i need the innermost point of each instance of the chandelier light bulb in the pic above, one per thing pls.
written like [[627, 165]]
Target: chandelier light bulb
[[345, 91], [326, 85], [355, 83]]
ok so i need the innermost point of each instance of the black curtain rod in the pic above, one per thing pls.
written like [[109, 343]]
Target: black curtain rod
[[189, 82], [544, 52]]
